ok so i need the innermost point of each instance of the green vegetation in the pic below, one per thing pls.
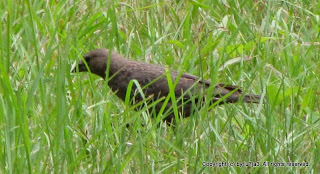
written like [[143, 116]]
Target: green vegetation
[[52, 121]]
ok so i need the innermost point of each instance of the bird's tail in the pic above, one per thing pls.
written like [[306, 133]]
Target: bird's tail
[[251, 98]]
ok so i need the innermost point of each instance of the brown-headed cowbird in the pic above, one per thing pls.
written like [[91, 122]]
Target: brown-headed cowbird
[[189, 89]]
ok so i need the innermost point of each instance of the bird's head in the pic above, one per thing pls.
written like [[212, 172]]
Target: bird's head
[[95, 61]]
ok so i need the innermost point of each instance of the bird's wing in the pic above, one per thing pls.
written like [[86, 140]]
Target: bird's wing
[[227, 88], [219, 91], [223, 89], [195, 78]]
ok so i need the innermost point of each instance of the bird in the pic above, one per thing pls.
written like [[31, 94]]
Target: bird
[[190, 91]]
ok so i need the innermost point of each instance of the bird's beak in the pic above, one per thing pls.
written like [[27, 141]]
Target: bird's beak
[[81, 67]]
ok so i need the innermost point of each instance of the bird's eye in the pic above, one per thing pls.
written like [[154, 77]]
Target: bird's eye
[[86, 58]]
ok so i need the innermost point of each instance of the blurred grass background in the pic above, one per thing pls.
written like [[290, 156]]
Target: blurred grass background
[[52, 121]]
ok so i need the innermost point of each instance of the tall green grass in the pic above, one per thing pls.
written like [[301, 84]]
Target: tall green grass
[[52, 121]]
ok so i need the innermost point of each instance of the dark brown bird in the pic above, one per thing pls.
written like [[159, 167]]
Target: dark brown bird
[[189, 89]]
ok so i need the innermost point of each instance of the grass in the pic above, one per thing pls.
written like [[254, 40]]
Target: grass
[[52, 121]]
